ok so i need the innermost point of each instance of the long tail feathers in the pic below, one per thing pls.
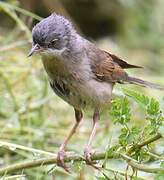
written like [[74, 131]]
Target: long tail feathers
[[143, 83]]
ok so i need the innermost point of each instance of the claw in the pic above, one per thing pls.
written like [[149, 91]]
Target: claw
[[60, 160], [87, 154]]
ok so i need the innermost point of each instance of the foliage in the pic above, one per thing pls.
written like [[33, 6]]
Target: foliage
[[131, 136], [31, 115]]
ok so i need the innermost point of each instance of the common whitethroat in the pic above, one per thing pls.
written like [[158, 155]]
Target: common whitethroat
[[79, 72]]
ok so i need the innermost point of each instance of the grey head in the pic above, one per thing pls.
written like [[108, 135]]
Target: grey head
[[51, 35]]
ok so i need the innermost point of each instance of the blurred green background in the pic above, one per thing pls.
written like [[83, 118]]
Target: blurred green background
[[32, 115]]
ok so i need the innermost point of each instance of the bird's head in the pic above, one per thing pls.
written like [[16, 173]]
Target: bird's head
[[51, 35]]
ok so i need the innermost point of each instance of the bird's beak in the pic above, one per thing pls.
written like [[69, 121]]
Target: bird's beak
[[35, 48]]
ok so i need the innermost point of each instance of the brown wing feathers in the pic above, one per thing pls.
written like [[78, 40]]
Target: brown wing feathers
[[107, 69], [111, 69], [121, 62]]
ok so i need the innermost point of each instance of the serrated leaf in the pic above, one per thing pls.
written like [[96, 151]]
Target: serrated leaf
[[139, 98], [120, 110], [135, 130], [153, 107]]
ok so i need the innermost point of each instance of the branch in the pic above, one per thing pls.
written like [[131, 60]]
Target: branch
[[48, 161], [144, 143], [141, 167], [11, 146], [76, 157], [23, 11], [156, 156], [150, 140]]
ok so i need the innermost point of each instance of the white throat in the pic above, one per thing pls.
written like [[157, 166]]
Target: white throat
[[54, 52]]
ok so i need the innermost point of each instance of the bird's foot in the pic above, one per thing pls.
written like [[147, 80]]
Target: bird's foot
[[60, 160], [88, 152]]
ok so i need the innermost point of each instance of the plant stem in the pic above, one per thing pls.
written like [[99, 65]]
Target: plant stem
[[144, 143], [75, 158], [48, 161], [141, 167], [155, 155], [29, 149], [23, 11], [96, 156]]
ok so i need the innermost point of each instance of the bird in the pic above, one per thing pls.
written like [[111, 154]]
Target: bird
[[79, 72]]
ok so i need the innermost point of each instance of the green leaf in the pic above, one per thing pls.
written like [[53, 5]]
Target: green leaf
[[150, 130], [124, 136], [135, 130], [120, 110], [112, 150], [139, 98], [129, 136], [153, 107]]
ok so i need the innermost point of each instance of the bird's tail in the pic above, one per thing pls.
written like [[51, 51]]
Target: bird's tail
[[143, 83]]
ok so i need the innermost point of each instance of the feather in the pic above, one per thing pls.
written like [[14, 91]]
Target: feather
[[144, 83], [121, 62]]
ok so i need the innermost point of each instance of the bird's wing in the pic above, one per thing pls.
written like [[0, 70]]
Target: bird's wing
[[120, 61], [108, 67], [107, 70]]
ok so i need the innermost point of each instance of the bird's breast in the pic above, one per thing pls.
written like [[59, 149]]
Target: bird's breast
[[76, 85]]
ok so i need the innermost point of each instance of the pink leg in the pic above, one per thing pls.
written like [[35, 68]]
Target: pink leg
[[61, 153], [88, 151]]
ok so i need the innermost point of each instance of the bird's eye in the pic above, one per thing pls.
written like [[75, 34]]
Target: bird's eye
[[52, 43]]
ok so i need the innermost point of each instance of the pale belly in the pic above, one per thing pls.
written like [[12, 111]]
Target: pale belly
[[77, 88], [83, 95]]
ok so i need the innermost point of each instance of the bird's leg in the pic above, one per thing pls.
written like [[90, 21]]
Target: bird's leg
[[61, 153], [88, 150]]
